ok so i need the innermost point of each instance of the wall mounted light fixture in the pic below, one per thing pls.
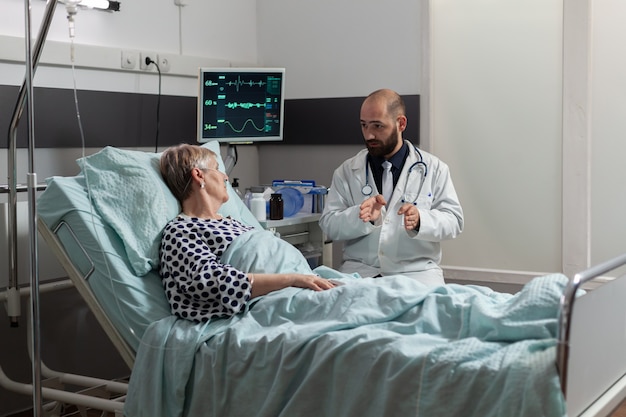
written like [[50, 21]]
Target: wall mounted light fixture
[[109, 5]]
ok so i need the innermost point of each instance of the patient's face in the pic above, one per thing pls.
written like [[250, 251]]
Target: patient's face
[[216, 181]]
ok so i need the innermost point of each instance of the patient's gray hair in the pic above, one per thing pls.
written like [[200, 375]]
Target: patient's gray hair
[[176, 165]]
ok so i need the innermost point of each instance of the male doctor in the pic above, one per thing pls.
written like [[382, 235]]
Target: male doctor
[[399, 233]]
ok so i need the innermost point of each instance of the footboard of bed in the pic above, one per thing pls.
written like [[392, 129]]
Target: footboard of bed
[[592, 343]]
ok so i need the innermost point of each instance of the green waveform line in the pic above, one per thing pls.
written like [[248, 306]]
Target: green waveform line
[[244, 105], [244, 126], [250, 83]]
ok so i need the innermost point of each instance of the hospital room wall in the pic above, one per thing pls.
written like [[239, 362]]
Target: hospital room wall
[[541, 182], [496, 120], [607, 197]]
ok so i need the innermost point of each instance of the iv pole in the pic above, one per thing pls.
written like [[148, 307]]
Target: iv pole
[[26, 96], [25, 99], [32, 60]]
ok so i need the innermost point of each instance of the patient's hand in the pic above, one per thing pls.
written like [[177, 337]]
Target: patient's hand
[[370, 209], [312, 282], [265, 283]]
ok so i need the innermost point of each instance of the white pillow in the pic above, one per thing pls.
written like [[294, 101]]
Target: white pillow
[[128, 191]]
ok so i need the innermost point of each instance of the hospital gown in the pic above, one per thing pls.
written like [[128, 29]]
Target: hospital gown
[[197, 285]]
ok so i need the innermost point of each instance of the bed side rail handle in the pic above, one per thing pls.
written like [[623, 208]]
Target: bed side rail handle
[[63, 224]]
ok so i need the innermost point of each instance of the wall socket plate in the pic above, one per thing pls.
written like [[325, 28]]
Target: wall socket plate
[[164, 63], [142, 60], [129, 59]]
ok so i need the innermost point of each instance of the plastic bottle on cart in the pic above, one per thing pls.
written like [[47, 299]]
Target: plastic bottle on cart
[[276, 206], [258, 206], [246, 197]]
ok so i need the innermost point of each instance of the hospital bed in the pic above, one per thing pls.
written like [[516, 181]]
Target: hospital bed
[[366, 348]]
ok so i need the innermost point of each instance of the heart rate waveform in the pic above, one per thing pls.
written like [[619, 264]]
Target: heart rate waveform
[[239, 82]]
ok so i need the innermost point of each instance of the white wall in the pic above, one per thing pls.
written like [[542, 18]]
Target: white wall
[[608, 130], [542, 188], [342, 48], [202, 33], [496, 119]]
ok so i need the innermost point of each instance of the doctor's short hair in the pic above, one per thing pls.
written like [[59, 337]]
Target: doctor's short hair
[[395, 102], [176, 165]]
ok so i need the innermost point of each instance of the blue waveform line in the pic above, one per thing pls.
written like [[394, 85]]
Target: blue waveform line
[[243, 127]]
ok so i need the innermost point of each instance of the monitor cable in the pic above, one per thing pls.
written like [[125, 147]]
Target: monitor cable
[[158, 111], [231, 158]]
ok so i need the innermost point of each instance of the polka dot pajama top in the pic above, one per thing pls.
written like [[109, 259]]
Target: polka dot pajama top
[[197, 285]]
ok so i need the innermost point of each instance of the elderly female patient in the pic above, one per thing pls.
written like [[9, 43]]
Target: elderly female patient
[[197, 285]]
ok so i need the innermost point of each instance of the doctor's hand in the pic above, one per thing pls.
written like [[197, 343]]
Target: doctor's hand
[[371, 208], [411, 216]]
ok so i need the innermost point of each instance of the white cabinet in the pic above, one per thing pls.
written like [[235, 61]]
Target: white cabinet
[[303, 231]]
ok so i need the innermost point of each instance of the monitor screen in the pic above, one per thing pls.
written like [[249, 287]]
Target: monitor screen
[[239, 105]]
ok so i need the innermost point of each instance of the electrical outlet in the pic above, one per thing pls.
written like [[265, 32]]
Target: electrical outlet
[[142, 60], [164, 63], [129, 59]]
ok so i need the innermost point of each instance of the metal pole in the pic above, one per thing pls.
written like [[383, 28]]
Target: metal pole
[[32, 60], [32, 184]]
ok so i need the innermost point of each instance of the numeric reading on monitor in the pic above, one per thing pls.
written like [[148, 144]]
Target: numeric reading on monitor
[[240, 105]]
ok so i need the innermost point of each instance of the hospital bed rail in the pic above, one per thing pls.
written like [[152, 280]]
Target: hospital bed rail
[[79, 279], [583, 387]]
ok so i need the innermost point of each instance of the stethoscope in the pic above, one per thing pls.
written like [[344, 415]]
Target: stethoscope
[[368, 190]]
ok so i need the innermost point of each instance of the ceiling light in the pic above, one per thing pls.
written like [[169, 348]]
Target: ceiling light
[[110, 5]]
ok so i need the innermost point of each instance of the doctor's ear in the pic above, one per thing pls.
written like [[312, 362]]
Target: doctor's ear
[[401, 120]]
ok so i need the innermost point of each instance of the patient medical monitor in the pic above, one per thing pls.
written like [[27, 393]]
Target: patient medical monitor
[[238, 105]]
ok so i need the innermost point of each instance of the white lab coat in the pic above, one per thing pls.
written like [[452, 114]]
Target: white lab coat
[[385, 247]]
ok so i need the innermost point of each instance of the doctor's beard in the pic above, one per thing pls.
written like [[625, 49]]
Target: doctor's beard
[[385, 146]]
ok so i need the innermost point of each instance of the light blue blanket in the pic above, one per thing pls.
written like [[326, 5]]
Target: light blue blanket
[[371, 347]]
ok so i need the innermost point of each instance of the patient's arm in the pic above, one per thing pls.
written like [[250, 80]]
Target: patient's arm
[[265, 283]]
